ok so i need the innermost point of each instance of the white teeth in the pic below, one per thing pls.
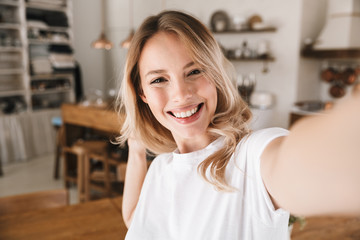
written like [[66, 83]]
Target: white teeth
[[186, 114]]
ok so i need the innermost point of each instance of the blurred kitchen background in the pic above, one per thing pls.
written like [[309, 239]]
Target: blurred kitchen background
[[289, 76], [292, 58]]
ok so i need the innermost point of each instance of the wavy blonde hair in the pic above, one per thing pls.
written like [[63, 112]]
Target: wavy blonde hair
[[232, 113]]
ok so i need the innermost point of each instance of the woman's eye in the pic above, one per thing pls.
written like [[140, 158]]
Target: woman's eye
[[158, 80], [194, 72]]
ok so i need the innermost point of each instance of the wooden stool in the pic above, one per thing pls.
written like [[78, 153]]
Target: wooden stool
[[79, 151], [104, 180], [59, 142]]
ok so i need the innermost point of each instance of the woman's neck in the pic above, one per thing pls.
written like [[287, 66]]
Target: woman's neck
[[188, 145]]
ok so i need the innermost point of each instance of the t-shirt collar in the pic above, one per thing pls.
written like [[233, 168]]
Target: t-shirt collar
[[194, 157]]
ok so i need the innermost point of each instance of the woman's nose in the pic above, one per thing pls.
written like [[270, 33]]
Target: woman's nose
[[181, 90]]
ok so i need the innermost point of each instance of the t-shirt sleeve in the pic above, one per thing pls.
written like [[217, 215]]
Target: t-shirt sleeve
[[256, 192]]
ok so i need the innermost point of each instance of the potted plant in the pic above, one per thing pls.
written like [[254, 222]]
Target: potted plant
[[292, 220]]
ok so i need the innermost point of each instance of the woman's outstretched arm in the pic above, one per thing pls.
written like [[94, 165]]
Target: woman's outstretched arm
[[316, 169], [135, 174]]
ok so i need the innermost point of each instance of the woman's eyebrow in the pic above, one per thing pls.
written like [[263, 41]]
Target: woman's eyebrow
[[152, 72], [188, 65], [159, 71]]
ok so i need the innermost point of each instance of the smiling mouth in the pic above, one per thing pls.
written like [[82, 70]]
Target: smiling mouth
[[188, 113]]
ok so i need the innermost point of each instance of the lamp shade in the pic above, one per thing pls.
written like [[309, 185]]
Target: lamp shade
[[102, 42], [126, 43]]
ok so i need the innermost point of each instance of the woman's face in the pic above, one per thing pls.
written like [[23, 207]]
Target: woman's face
[[179, 95]]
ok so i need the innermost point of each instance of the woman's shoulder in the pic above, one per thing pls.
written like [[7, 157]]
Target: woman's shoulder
[[265, 135], [256, 141], [271, 132], [160, 161], [163, 157]]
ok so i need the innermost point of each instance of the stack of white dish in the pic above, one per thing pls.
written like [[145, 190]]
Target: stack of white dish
[[262, 100]]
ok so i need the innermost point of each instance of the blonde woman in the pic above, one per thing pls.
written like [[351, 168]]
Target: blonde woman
[[213, 177]]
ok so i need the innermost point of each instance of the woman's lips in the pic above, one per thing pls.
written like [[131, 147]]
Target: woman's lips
[[190, 114]]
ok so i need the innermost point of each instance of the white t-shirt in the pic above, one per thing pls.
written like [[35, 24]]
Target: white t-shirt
[[177, 203]]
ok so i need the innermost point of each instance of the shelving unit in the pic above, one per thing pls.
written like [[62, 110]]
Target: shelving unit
[[50, 91], [247, 31], [28, 29], [13, 57]]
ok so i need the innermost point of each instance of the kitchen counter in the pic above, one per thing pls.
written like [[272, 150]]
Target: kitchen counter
[[307, 109]]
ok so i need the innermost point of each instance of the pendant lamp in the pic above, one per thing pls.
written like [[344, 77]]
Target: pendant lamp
[[102, 42], [126, 43]]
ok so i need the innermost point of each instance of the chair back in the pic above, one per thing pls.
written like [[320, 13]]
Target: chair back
[[34, 201]]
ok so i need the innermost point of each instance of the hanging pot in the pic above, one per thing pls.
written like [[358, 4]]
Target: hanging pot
[[337, 90], [329, 74], [348, 76]]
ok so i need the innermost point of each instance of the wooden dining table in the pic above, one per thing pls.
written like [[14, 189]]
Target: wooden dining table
[[100, 219], [327, 228]]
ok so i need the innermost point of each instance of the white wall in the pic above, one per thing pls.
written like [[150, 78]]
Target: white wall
[[121, 18], [87, 27], [282, 79], [313, 19]]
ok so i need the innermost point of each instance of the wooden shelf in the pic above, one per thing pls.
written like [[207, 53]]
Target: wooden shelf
[[336, 54], [270, 59], [264, 30], [247, 31]]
